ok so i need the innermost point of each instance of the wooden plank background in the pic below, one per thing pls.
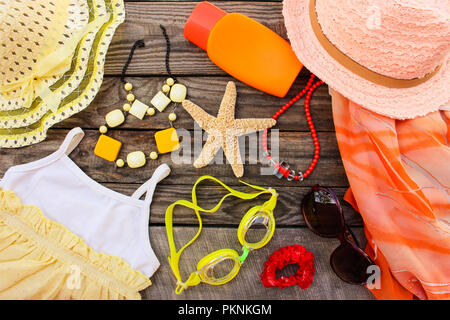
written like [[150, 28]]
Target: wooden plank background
[[206, 84]]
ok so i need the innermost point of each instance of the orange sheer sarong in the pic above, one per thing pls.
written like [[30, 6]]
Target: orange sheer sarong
[[399, 174]]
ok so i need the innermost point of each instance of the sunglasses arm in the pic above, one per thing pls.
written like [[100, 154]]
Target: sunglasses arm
[[349, 236]]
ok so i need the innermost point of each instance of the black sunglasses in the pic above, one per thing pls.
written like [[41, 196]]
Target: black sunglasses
[[324, 216]]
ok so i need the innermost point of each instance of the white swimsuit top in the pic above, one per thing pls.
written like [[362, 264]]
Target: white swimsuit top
[[108, 221]]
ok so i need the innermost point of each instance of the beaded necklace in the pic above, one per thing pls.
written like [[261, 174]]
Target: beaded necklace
[[282, 169], [166, 140]]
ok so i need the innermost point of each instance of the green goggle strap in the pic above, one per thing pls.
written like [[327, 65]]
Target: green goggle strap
[[194, 278]]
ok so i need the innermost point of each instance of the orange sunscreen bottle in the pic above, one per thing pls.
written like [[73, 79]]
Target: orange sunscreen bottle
[[244, 48]]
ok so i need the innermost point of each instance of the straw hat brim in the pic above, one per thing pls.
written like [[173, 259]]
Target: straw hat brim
[[63, 85], [407, 103], [79, 98], [76, 20]]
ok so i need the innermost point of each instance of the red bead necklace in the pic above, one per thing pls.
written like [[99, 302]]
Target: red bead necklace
[[282, 168]]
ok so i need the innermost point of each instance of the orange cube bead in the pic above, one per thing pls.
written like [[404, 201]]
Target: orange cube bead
[[107, 148], [167, 140]]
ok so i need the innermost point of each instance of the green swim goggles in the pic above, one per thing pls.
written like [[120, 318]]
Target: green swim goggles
[[258, 215]]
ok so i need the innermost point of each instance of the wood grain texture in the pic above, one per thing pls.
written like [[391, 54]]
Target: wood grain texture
[[287, 212], [297, 149], [247, 284], [143, 20], [206, 85], [206, 92]]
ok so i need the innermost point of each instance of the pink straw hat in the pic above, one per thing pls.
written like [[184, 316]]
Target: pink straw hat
[[390, 56]]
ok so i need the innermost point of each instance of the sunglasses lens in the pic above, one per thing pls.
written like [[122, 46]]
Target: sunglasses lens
[[350, 264], [322, 213]]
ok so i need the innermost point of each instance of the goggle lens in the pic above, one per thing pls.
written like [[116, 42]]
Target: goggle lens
[[257, 230], [219, 267]]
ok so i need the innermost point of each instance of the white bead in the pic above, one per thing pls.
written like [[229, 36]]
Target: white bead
[[151, 111], [160, 101], [138, 109], [115, 118], [136, 159], [178, 92]]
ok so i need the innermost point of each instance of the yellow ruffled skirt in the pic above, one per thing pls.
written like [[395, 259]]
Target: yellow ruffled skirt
[[41, 259]]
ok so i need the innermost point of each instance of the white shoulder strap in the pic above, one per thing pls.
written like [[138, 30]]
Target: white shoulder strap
[[149, 187], [71, 141]]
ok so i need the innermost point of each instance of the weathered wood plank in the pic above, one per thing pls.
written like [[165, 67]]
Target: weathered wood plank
[[206, 84], [296, 148], [207, 92], [287, 212], [247, 284], [143, 20]]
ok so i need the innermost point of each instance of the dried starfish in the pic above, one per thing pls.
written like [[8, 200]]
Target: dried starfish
[[224, 130]]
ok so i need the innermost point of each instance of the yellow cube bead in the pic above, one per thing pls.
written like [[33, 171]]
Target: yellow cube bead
[[107, 148], [160, 101], [138, 109], [167, 140]]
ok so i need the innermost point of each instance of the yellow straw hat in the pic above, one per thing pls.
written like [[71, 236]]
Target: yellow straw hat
[[18, 65], [52, 89], [93, 17]]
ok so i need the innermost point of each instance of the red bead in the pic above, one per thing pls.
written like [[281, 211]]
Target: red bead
[[307, 91]]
